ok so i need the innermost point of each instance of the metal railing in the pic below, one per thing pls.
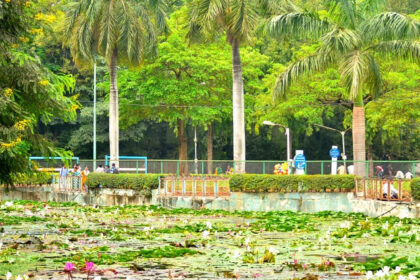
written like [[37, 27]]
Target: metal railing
[[177, 167], [194, 186], [383, 189], [69, 183]]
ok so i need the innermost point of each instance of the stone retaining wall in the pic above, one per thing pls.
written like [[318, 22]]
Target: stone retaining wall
[[304, 202]]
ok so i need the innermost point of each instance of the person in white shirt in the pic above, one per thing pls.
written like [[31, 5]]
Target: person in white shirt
[[399, 175], [408, 175], [394, 192], [350, 169], [100, 169], [341, 170]]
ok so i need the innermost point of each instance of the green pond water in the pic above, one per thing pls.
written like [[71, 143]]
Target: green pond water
[[137, 242]]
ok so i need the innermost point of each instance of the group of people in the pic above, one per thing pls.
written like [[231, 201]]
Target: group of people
[[76, 174], [106, 169], [388, 173]]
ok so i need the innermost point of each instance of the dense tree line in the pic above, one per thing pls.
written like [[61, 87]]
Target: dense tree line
[[168, 67]]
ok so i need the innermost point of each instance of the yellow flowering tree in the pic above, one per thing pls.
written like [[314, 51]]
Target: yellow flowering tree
[[30, 94]]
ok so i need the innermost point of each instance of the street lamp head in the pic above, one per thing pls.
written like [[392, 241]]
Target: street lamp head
[[268, 123]]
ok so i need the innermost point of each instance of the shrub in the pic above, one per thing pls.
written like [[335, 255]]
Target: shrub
[[415, 188], [290, 183], [34, 178], [139, 182]]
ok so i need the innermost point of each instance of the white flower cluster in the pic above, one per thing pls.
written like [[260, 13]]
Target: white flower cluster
[[385, 272]]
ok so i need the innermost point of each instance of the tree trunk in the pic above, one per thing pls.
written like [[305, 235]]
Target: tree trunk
[[210, 149], [182, 148], [370, 159], [359, 149], [238, 110], [113, 110]]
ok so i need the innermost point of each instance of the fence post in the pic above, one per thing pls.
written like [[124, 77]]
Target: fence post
[[183, 186], [173, 186], [202, 167], [322, 167], [399, 190], [413, 169], [161, 167], [364, 188], [215, 189], [367, 169], [194, 187], [388, 194], [159, 186], [375, 186], [177, 168], [263, 167], [166, 187], [137, 167]]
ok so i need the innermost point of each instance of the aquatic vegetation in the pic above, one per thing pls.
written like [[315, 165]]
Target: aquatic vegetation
[[65, 240]]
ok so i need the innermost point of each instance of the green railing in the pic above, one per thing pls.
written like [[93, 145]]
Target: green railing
[[166, 166]]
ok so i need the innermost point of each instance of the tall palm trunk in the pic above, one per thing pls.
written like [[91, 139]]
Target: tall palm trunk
[[238, 110], [113, 109], [359, 149], [182, 148], [210, 149]]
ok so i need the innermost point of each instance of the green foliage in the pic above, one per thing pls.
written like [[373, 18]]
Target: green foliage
[[34, 178], [139, 182], [30, 94], [415, 188], [290, 183]]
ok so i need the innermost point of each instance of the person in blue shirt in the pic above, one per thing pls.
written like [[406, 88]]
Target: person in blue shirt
[[114, 169]]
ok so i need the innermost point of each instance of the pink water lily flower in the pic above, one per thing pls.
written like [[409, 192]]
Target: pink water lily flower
[[90, 266], [69, 267]]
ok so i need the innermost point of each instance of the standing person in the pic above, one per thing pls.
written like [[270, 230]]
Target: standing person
[[114, 169], [100, 169], [379, 171], [76, 177], [106, 169], [85, 173], [63, 176]]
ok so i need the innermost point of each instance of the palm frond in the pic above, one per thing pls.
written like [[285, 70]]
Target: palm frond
[[339, 40], [311, 64], [297, 24], [344, 11], [356, 68], [242, 19], [409, 50], [392, 26]]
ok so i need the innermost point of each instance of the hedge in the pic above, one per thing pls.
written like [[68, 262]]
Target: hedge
[[34, 178], [415, 188], [140, 182], [290, 183]]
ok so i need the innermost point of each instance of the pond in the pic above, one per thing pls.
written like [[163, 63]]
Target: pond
[[139, 242]]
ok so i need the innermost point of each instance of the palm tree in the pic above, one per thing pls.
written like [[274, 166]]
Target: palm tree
[[121, 31], [238, 20], [352, 37]]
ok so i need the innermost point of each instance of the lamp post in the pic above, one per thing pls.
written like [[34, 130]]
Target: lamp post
[[94, 115], [289, 144], [342, 132]]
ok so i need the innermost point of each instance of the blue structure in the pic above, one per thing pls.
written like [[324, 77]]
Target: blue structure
[[107, 158]]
